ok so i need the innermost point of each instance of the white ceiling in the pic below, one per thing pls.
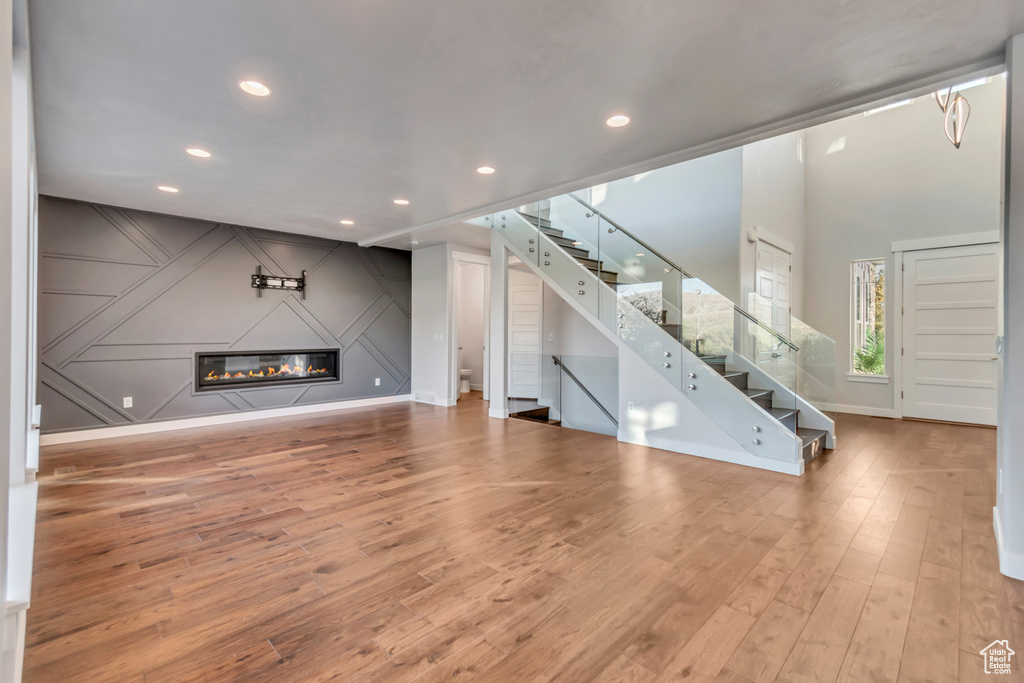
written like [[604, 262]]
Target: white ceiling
[[378, 99]]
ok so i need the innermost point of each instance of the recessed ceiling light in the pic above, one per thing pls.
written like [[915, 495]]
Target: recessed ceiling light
[[618, 121], [167, 188], [641, 254], [485, 170], [254, 88], [402, 202], [197, 152], [414, 242], [347, 222]]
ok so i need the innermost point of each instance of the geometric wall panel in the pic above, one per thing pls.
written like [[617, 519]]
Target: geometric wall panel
[[170, 232], [282, 328], [386, 335], [88, 233], [100, 277], [343, 271], [58, 313], [149, 382], [213, 303], [189, 290], [293, 258]]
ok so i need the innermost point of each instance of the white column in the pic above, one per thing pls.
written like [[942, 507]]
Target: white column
[[497, 356], [1009, 511], [8, 624]]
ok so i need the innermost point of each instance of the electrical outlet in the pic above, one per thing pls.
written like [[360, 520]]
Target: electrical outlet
[[128, 402], [376, 381], [551, 336], [630, 406]]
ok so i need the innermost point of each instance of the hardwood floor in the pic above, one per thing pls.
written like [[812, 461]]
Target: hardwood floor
[[414, 542]]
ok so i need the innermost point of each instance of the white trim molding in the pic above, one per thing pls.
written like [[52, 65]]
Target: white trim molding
[[964, 240], [700, 451], [213, 420], [870, 411], [868, 379], [768, 237], [1010, 564]]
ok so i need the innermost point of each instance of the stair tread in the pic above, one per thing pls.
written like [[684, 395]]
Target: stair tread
[[756, 393], [808, 435], [732, 373], [781, 413]]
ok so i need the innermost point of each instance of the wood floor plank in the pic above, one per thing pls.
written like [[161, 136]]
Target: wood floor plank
[[413, 542], [877, 645], [819, 650], [933, 634], [764, 649]]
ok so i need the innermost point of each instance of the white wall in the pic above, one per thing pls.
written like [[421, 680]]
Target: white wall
[[690, 212], [1008, 516], [773, 200], [874, 180], [473, 291], [431, 297]]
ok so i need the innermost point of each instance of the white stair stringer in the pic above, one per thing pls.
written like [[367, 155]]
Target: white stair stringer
[[778, 449]]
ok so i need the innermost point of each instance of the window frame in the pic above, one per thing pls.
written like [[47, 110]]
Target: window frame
[[855, 321]]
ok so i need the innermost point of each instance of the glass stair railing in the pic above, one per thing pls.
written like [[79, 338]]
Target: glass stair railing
[[588, 393], [770, 391]]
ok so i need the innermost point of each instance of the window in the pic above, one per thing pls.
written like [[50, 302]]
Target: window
[[868, 318]]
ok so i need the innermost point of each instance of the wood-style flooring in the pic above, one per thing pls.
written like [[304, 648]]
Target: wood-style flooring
[[411, 542]]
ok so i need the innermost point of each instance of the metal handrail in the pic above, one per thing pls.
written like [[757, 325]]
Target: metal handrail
[[654, 251], [561, 365]]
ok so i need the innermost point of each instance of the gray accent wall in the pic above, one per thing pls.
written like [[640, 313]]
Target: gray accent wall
[[126, 298]]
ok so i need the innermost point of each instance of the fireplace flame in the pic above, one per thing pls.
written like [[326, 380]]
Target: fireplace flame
[[284, 370]]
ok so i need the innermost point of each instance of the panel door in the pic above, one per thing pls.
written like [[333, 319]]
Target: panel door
[[774, 272], [525, 299], [950, 309]]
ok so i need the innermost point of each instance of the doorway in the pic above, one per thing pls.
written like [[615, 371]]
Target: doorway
[[471, 292], [950, 322]]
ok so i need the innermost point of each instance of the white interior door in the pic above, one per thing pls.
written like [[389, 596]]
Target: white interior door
[[950, 308], [525, 299], [774, 272]]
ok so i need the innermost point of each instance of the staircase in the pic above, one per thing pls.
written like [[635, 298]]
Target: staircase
[[812, 440], [572, 248], [768, 393]]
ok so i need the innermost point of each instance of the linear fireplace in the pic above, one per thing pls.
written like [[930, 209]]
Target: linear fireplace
[[264, 368]]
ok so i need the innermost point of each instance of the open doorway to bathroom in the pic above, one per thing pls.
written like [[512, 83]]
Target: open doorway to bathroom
[[471, 290]]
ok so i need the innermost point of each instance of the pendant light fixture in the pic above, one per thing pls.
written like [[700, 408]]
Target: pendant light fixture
[[957, 112]]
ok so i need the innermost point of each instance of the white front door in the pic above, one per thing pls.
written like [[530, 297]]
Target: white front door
[[525, 298], [950, 308], [774, 272]]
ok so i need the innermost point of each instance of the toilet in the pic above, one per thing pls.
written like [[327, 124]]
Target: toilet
[[464, 374]]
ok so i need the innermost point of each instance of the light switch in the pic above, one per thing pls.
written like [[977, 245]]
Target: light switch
[[127, 402], [376, 381]]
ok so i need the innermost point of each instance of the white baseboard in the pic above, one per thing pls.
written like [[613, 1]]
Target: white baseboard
[[499, 413], [213, 420], [870, 411], [1010, 564], [701, 451], [476, 387]]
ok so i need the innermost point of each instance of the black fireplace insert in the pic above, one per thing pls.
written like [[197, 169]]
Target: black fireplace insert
[[264, 368]]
